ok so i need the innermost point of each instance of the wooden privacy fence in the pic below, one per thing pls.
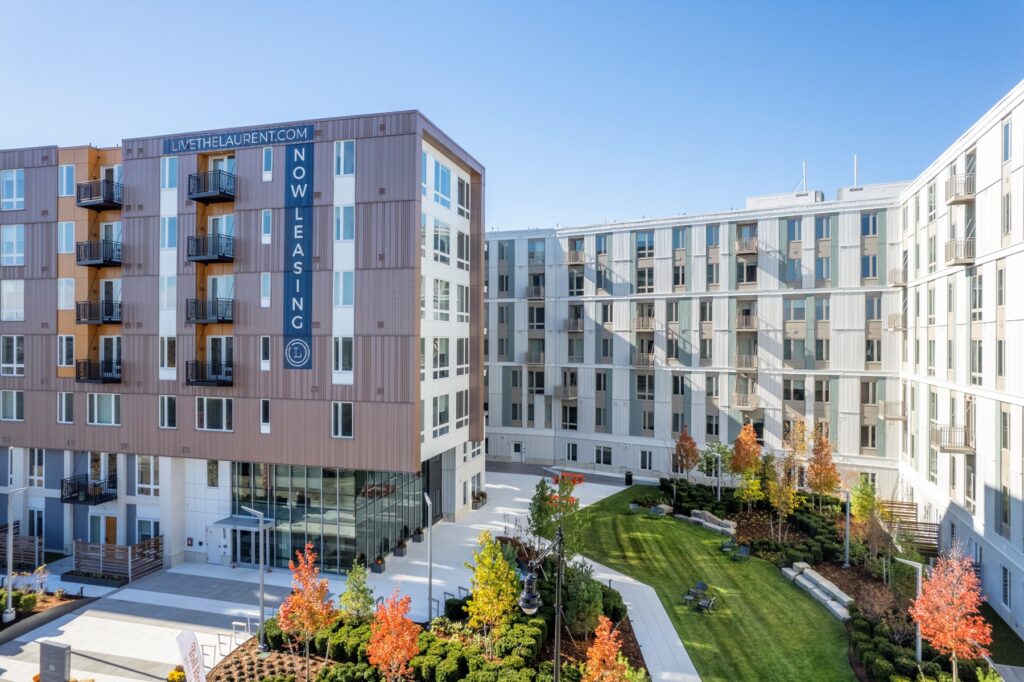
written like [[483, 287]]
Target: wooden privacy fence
[[28, 550], [120, 561], [901, 520]]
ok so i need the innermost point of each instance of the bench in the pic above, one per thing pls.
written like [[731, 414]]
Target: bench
[[707, 604]]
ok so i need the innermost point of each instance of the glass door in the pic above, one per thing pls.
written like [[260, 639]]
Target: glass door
[[223, 163], [222, 224], [103, 529], [221, 286], [110, 353], [112, 172]]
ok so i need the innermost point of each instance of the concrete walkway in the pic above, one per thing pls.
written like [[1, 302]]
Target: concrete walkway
[[130, 633]]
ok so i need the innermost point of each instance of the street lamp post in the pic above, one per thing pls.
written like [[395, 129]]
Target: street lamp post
[[259, 520], [846, 551], [430, 557], [919, 567], [718, 456], [9, 611], [529, 600]]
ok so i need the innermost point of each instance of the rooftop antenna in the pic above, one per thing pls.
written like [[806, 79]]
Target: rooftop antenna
[[855, 171], [803, 181]]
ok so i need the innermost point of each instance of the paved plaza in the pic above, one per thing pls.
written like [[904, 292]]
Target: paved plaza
[[129, 634]]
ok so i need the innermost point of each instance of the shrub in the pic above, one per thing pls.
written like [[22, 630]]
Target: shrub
[[424, 666], [860, 639], [276, 638], [176, 675], [931, 669], [449, 670], [455, 609], [583, 605], [867, 655], [611, 604], [520, 640], [347, 672], [861, 625], [882, 669], [905, 666], [888, 649], [268, 678], [900, 678], [26, 605]]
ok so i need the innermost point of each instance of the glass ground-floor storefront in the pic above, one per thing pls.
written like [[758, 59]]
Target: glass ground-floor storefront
[[346, 514]]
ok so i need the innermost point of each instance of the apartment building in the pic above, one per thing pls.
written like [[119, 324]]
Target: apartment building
[[605, 341], [195, 323], [961, 382]]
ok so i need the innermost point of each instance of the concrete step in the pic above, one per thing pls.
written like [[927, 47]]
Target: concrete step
[[828, 586], [789, 574]]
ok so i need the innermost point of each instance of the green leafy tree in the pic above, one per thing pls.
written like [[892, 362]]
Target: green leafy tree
[[584, 599], [356, 601], [709, 458], [495, 588], [541, 519], [863, 500], [749, 491], [781, 488], [566, 513]]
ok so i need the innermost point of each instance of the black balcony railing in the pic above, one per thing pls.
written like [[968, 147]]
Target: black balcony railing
[[82, 489], [209, 310], [97, 372], [98, 312], [211, 248], [99, 254], [99, 195], [211, 186], [208, 373]]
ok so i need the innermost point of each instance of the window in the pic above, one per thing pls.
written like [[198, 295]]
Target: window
[[345, 223], [823, 268], [168, 352], [265, 353], [822, 308], [168, 293], [147, 529], [571, 452], [442, 242], [603, 455], [442, 185], [65, 350], [169, 172], [442, 295], [933, 465], [794, 309], [423, 173], [12, 406], [678, 384], [441, 358], [601, 381], [794, 229], [644, 280], [104, 409], [463, 197], [793, 389], [1006, 571], [264, 415], [712, 274], [1000, 358], [65, 293], [168, 408], [599, 417], [645, 387], [66, 181], [268, 164], [36, 468], [169, 232], [821, 390], [440, 415], [646, 460], [214, 414], [576, 282], [868, 392], [679, 237], [746, 272], [265, 289], [343, 353], [66, 237], [12, 189], [1007, 141], [12, 245], [869, 267], [869, 224], [823, 227], [976, 297], [867, 436], [711, 426], [822, 350], [147, 476], [873, 350], [569, 417], [65, 407], [462, 357], [1001, 287], [266, 225], [344, 157], [976, 362], [873, 307], [705, 349], [712, 234], [461, 303], [679, 276], [212, 473], [644, 244], [1007, 212], [344, 288], [12, 356]]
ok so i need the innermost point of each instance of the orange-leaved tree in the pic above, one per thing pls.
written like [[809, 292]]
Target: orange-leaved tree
[[687, 454], [604, 662], [947, 609], [393, 639], [307, 610], [746, 451], [822, 474]]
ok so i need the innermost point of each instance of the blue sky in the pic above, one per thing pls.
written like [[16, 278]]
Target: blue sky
[[582, 112]]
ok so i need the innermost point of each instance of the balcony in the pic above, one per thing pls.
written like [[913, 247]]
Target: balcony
[[960, 189], [566, 392], [952, 438], [897, 322], [208, 373], [211, 187], [534, 357], [643, 324], [209, 310], [99, 195], [960, 252], [98, 312], [98, 372], [534, 292], [746, 361], [897, 277], [643, 359], [744, 401], [748, 245], [82, 489], [101, 254], [893, 409], [574, 257], [746, 322], [574, 324], [211, 248]]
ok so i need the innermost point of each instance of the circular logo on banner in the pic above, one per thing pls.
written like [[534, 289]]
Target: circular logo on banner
[[297, 352]]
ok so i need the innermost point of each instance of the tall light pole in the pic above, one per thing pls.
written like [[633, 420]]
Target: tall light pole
[[529, 600], [918, 567], [718, 456], [430, 557], [846, 551], [9, 611], [259, 520]]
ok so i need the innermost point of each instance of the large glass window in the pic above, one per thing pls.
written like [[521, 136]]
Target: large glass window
[[12, 356], [147, 477], [66, 181], [12, 189], [12, 405], [169, 172], [12, 244], [442, 184], [214, 414], [12, 300], [105, 409], [344, 157]]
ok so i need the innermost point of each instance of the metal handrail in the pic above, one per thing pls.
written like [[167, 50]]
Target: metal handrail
[[961, 185], [643, 359], [643, 323], [959, 250], [210, 309], [105, 250], [206, 372], [101, 312], [746, 361], [98, 370], [83, 486], [746, 322], [214, 245], [105, 190], [219, 181]]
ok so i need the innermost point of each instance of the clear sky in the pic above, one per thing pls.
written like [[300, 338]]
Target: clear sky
[[582, 112]]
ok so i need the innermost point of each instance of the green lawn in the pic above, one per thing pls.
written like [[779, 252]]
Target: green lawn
[[764, 628], [1007, 647]]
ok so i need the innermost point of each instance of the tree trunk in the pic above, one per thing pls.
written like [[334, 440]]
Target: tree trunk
[[307, 660], [956, 673]]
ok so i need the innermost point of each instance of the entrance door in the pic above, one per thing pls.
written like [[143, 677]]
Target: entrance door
[[220, 349], [221, 286], [517, 452], [434, 489], [217, 545], [110, 354], [103, 529], [222, 224], [102, 465], [112, 172], [223, 163], [246, 548]]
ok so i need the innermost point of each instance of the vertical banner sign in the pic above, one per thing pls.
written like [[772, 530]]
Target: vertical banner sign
[[191, 656], [298, 257]]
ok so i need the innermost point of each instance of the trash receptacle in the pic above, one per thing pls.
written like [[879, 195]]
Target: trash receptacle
[[629, 478]]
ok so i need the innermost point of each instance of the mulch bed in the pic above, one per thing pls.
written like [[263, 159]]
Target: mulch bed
[[756, 525], [245, 664], [576, 648], [857, 583], [44, 602]]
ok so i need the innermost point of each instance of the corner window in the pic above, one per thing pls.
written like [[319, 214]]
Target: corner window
[[442, 184], [463, 197]]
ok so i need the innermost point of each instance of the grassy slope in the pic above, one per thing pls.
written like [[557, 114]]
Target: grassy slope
[[764, 628], [1006, 646]]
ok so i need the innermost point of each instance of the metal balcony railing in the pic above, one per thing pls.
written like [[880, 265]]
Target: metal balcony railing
[[535, 357], [897, 277], [99, 195], [566, 392], [643, 324], [960, 252], [209, 310], [211, 186], [746, 322], [893, 409], [897, 322], [575, 257], [208, 373], [746, 361], [211, 248], [82, 489], [643, 359], [574, 324], [534, 292], [960, 189], [98, 254], [746, 245], [952, 438], [98, 312], [98, 372], [744, 401]]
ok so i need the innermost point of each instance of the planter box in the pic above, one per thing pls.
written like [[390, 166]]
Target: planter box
[[417, 537], [377, 568], [400, 551], [479, 503], [70, 577]]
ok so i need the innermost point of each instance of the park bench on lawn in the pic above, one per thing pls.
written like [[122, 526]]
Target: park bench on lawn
[[707, 604]]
